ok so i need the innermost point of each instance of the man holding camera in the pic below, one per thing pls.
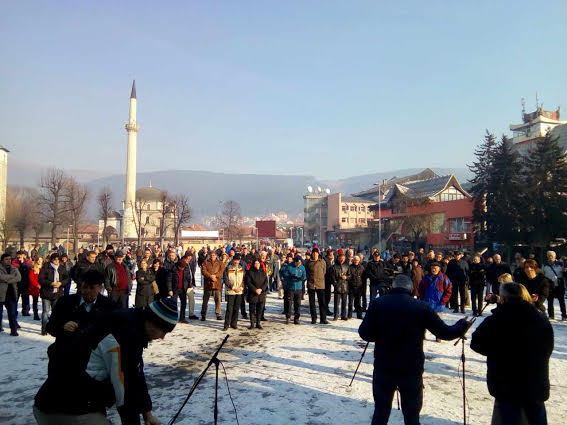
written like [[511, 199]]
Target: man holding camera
[[517, 341]]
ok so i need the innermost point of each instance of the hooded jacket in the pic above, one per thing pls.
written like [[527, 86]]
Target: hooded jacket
[[435, 291]]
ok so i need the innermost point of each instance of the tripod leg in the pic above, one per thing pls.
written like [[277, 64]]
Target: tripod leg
[[464, 386], [216, 389]]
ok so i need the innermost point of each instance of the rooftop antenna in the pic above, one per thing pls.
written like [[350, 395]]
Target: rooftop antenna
[[523, 107], [536, 101]]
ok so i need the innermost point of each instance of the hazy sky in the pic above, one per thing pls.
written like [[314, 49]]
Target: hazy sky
[[325, 88]]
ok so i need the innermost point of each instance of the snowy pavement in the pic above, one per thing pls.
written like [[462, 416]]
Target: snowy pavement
[[283, 374]]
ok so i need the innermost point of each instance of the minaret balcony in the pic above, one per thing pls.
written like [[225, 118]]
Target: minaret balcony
[[132, 126]]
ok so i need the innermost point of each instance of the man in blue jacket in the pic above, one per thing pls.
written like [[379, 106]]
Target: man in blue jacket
[[397, 324], [293, 276]]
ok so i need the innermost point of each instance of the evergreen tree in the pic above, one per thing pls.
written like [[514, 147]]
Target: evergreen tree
[[482, 169], [505, 206], [546, 183]]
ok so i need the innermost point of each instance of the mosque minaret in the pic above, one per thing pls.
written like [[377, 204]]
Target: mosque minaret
[[132, 128]]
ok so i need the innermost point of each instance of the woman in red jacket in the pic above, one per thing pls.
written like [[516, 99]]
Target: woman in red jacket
[[34, 285]]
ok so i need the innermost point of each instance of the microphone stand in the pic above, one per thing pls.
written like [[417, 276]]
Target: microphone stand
[[214, 360], [463, 359]]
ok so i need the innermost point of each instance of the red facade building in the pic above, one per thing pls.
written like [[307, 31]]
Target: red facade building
[[435, 212]]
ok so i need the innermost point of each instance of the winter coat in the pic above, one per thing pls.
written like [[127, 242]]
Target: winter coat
[[24, 269], [539, 285], [144, 281], [173, 280], [8, 278], [477, 275], [233, 279], [356, 279], [376, 272], [457, 271], [81, 268], [406, 268], [494, 271], [397, 324], [554, 273], [46, 278], [68, 308], [161, 277], [111, 280], [293, 277], [340, 284], [34, 287], [416, 277], [212, 268], [435, 291], [316, 271], [276, 262], [256, 279], [517, 341]]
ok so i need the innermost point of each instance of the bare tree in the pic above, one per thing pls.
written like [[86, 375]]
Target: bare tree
[[138, 208], [24, 208], [181, 214], [229, 219], [37, 224], [104, 210], [7, 228], [52, 199], [76, 195]]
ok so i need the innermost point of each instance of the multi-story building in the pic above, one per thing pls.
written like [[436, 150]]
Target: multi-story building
[[534, 127], [315, 216], [347, 219]]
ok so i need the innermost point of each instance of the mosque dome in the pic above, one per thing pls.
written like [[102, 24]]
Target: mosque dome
[[149, 194]]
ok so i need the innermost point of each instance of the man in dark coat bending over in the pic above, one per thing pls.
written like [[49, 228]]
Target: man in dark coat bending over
[[397, 324]]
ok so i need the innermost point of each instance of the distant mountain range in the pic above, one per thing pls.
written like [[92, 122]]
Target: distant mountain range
[[258, 194]]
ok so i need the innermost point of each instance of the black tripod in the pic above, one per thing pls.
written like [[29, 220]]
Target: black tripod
[[355, 372], [214, 360], [463, 359]]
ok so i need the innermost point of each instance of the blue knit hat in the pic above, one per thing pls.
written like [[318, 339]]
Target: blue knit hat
[[165, 313]]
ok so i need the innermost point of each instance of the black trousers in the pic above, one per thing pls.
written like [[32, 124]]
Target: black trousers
[[508, 414], [256, 310], [11, 304], [559, 293], [321, 301], [243, 305], [328, 286], [477, 293], [23, 292], [181, 295], [458, 296], [411, 397], [285, 306], [354, 297], [364, 301], [342, 299], [295, 298], [231, 313]]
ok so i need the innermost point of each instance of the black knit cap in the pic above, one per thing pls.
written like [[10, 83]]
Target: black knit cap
[[163, 313]]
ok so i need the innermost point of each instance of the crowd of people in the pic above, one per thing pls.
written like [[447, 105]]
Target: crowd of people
[[165, 282]]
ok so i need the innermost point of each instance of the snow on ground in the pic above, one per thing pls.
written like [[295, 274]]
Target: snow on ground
[[283, 374]]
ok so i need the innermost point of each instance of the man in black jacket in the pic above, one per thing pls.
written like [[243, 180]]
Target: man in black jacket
[[83, 266], [118, 281], [105, 366], [376, 272], [518, 383], [72, 314], [397, 324], [494, 271], [457, 272]]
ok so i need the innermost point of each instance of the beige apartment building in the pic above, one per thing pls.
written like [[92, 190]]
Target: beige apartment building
[[348, 212]]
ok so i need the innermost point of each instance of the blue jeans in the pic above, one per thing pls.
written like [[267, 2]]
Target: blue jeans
[[46, 306], [11, 308]]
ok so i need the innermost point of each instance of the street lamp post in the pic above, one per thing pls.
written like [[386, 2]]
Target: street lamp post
[[379, 221]]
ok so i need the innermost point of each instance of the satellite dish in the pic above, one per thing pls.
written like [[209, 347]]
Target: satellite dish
[[318, 188], [328, 191], [309, 189]]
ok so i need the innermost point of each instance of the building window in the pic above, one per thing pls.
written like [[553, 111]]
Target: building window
[[343, 220], [344, 208], [451, 194], [352, 208], [458, 225], [361, 209], [353, 220], [147, 219], [361, 220], [438, 223], [148, 207]]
